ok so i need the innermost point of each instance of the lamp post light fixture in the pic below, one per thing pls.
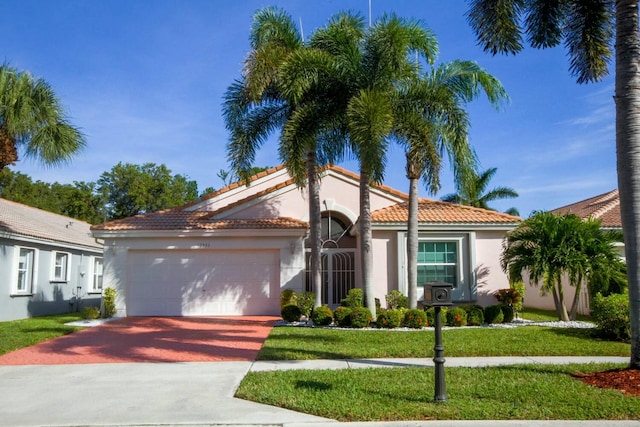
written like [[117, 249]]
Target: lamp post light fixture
[[438, 295]]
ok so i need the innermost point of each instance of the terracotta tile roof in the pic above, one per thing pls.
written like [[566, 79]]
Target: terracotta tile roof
[[437, 212], [605, 207], [31, 222], [176, 219]]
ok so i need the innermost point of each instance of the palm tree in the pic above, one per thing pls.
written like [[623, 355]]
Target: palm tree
[[32, 118], [472, 191], [260, 102], [430, 121], [588, 29]]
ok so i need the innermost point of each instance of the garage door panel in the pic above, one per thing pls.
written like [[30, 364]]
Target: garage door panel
[[176, 283]]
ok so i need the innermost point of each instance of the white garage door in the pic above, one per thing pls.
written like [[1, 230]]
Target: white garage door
[[203, 283]]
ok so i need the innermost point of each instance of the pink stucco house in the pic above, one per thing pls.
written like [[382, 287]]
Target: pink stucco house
[[233, 251]]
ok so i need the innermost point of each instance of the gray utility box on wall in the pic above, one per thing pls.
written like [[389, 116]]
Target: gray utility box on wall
[[438, 294]]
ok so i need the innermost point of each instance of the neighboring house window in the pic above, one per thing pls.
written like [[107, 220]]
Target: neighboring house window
[[96, 281], [26, 270], [61, 266], [437, 262]]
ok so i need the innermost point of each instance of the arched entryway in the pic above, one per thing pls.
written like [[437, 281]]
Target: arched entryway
[[337, 258]]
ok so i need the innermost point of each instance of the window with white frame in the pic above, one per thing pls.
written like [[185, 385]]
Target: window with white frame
[[26, 270], [96, 275], [438, 262], [60, 266]]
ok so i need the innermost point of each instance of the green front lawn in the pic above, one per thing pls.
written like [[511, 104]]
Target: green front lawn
[[17, 334], [509, 392], [292, 343]]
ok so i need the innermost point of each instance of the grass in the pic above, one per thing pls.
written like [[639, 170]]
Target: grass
[[17, 334], [295, 343], [386, 394]]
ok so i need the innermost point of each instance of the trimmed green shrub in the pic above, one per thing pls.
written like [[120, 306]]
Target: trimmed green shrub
[[288, 296], [519, 287], [90, 312], [493, 314], [431, 315], [507, 313], [475, 316], [291, 313], [415, 319], [360, 317], [391, 318], [109, 303], [456, 316], [322, 316], [353, 299], [342, 316], [395, 299], [305, 302], [611, 315]]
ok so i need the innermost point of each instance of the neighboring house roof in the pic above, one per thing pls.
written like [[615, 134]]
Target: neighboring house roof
[[20, 220], [605, 207], [437, 212]]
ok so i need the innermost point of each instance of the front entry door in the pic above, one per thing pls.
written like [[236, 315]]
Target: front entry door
[[338, 275]]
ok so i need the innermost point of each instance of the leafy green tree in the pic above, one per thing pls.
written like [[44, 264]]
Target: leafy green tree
[[32, 118], [549, 247], [472, 191], [134, 189], [588, 29]]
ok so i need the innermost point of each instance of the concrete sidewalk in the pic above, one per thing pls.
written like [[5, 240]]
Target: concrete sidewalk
[[199, 394]]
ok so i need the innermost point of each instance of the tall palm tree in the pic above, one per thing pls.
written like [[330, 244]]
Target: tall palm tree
[[32, 118], [260, 102], [472, 191], [588, 29], [430, 120]]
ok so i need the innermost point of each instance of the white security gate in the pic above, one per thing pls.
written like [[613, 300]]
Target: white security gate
[[203, 282], [338, 274]]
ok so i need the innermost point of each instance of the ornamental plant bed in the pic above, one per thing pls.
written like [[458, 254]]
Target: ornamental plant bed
[[625, 380]]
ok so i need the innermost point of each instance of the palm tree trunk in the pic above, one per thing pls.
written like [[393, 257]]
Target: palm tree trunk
[[366, 242], [627, 98], [412, 239], [576, 300], [562, 308], [315, 230]]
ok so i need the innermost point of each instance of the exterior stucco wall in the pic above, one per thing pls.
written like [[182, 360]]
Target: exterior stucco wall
[[292, 263], [489, 274], [48, 296], [534, 298]]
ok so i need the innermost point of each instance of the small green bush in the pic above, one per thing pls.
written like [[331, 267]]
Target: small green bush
[[291, 313], [342, 316], [353, 299], [391, 318], [109, 303], [611, 315], [456, 316], [475, 316], [90, 312], [493, 314], [322, 316], [395, 299], [507, 313], [431, 315], [415, 319], [288, 296], [360, 317], [306, 300], [520, 288]]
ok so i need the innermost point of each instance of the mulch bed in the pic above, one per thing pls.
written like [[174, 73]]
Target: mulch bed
[[624, 380]]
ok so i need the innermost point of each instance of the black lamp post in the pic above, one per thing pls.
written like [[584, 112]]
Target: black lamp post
[[438, 295]]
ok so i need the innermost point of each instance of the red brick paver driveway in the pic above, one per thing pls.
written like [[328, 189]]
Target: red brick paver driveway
[[152, 339]]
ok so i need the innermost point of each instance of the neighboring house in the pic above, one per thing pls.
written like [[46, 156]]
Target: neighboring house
[[234, 250], [604, 207], [47, 261]]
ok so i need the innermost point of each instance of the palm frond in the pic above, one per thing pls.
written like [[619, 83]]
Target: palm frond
[[496, 24]]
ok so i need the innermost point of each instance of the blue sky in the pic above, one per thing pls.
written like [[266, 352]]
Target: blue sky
[[144, 80]]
